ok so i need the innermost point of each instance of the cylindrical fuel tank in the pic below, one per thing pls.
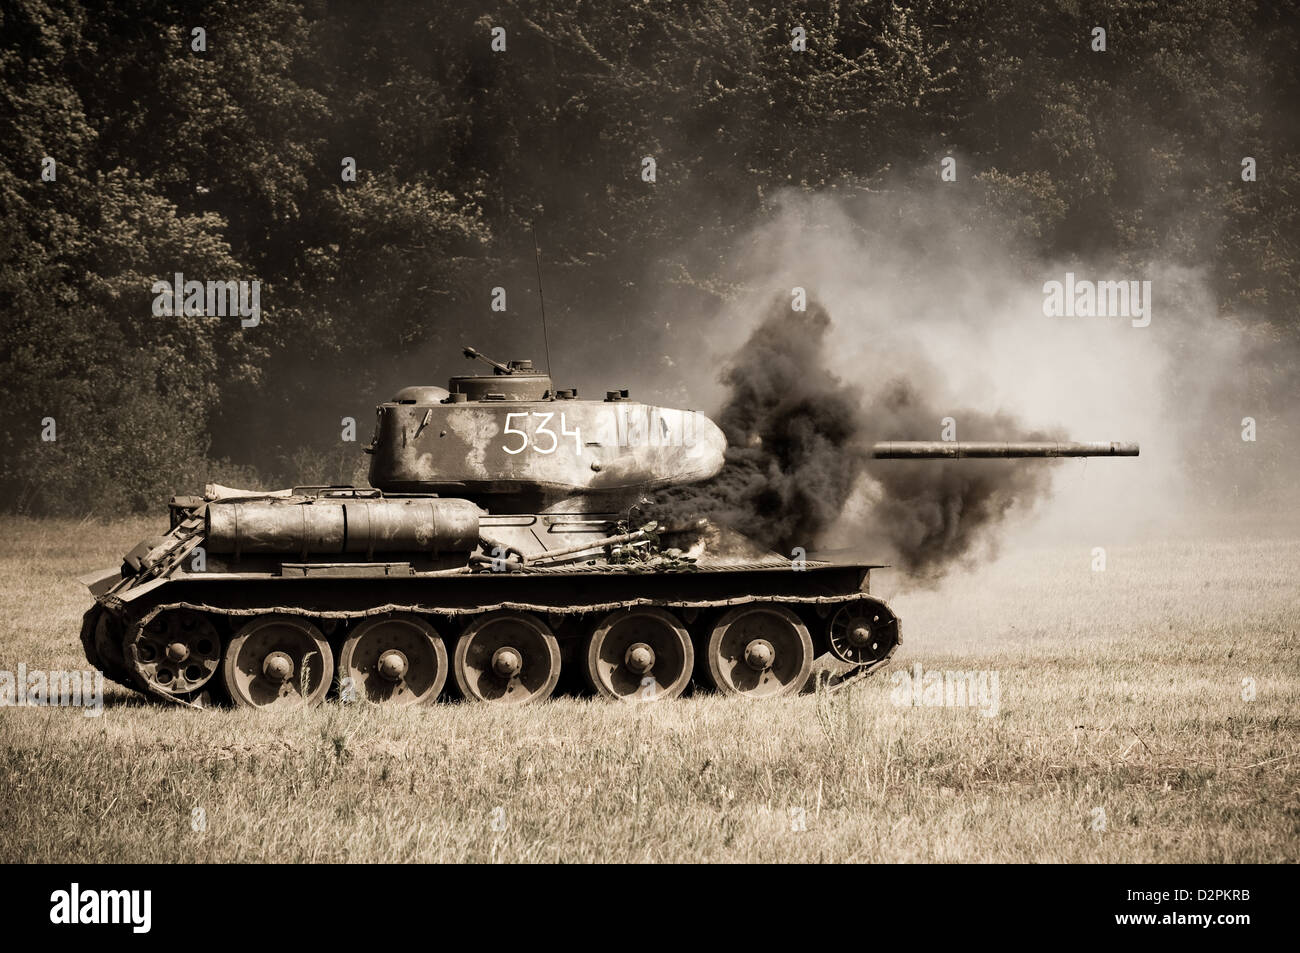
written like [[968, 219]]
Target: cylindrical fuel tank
[[323, 527]]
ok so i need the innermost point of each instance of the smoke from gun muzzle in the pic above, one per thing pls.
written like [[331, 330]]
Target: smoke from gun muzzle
[[799, 459]]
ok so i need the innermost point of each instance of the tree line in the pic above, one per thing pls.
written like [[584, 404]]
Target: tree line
[[220, 154]]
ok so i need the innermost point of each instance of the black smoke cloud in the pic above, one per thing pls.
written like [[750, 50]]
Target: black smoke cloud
[[933, 514], [790, 430], [799, 464]]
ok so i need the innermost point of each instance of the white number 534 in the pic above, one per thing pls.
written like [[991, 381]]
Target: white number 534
[[544, 439]]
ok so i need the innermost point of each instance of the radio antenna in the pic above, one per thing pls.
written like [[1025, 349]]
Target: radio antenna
[[537, 256]]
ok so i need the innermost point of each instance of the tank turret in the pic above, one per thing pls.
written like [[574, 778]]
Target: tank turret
[[511, 442]]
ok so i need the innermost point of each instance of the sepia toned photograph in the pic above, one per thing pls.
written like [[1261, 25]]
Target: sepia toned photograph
[[540, 432]]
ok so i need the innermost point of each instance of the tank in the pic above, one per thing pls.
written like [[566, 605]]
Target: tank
[[495, 557]]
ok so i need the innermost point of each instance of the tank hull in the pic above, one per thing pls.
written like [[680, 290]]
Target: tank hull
[[569, 595]]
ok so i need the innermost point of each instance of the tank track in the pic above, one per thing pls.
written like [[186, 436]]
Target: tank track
[[573, 627]]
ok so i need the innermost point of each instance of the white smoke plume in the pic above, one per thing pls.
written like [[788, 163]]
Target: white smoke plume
[[922, 310]]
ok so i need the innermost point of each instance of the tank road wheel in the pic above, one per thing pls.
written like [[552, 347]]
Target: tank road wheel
[[278, 661], [640, 654], [862, 633], [507, 658], [759, 651], [176, 652], [395, 660]]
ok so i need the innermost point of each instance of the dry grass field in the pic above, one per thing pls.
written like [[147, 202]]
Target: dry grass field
[[1120, 692]]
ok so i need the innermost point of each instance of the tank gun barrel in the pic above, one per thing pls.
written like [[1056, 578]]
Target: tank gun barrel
[[938, 449]]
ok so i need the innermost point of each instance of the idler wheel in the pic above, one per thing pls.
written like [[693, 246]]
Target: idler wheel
[[507, 658], [640, 654], [278, 661], [759, 651], [395, 660], [176, 652], [863, 632], [101, 638]]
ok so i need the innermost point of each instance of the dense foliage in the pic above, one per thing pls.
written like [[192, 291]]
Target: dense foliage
[[225, 163]]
